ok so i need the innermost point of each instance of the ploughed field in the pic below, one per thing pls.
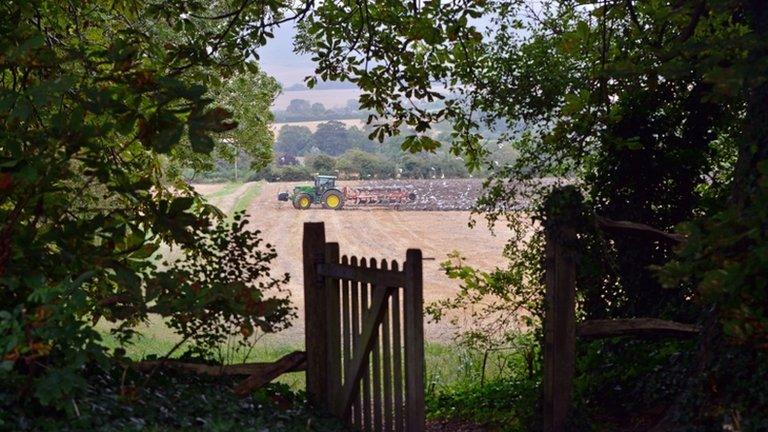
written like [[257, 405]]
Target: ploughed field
[[380, 233], [431, 195]]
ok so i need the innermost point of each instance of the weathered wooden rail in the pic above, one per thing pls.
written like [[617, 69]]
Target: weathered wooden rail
[[560, 327], [364, 336]]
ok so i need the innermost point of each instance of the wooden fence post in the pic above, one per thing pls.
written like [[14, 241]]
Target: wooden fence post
[[315, 318], [414, 341], [559, 326]]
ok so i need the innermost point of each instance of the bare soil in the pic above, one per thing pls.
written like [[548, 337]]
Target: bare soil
[[380, 234]]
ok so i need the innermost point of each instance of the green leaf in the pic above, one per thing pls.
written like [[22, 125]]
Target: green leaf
[[201, 143], [180, 204]]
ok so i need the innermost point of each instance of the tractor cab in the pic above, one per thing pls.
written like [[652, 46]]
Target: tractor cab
[[323, 183]]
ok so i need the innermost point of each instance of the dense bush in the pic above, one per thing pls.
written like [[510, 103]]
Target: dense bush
[[119, 399], [274, 173], [320, 163], [359, 164], [98, 101], [503, 404]]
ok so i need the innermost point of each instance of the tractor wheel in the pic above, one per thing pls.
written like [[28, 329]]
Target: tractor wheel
[[333, 200], [295, 204], [302, 201]]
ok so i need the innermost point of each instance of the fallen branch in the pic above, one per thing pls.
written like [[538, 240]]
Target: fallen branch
[[604, 328], [219, 370], [638, 229], [292, 362]]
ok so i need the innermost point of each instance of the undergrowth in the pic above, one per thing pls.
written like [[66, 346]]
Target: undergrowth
[[125, 400], [504, 404]]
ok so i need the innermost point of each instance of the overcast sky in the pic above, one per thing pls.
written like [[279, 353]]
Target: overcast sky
[[279, 60]]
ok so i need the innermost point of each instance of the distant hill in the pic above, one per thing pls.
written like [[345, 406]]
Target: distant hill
[[322, 85]]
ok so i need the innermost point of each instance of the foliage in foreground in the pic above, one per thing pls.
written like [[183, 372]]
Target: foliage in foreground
[[118, 400], [502, 404], [98, 100], [656, 111], [486, 381]]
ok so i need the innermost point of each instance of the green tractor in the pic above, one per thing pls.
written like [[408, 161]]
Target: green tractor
[[323, 192]]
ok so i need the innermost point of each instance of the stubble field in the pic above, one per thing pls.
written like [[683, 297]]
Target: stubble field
[[372, 233]]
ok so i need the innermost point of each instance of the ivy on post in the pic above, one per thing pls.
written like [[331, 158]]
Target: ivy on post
[[561, 213]]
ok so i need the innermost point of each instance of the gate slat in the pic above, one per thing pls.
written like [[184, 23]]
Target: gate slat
[[397, 358], [386, 349], [356, 315], [360, 363], [363, 355], [346, 349], [376, 360], [333, 384]]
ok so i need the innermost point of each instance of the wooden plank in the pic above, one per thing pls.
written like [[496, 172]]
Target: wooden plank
[[364, 368], [368, 275], [313, 251], [397, 361], [414, 342], [595, 329], [635, 228], [359, 366], [386, 352], [346, 327], [559, 328], [357, 415], [288, 363], [333, 318], [376, 391], [219, 370]]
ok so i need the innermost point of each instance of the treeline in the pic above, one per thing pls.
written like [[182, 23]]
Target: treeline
[[348, 152], [359, 164], [334, 148], [303, 110]]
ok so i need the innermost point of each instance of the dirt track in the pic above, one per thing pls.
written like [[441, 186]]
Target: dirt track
[[377, 234]]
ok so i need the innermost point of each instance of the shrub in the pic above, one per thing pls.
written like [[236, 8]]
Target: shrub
[[287, 173], [507, 404], [320, 163], [219, 289], [357, 163]]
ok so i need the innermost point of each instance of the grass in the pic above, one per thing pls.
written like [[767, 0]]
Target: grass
[[224, 191], [448, 366], [244, 200]]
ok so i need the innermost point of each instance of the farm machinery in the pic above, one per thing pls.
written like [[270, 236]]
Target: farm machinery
[[325, 192]]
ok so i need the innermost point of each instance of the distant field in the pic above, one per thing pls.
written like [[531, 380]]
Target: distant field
[[378, 233], [312, 125]]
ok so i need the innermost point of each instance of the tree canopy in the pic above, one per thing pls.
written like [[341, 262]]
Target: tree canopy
[[96, 98], [655, 110], [331, 138]]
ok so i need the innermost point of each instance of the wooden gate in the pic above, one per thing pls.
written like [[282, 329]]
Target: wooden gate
[[364, 336]]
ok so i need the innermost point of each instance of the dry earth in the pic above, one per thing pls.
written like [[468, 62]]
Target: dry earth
[[380, 234]]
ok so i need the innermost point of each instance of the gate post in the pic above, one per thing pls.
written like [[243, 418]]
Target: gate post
[[414, 341], [560, 314], [315, 318]]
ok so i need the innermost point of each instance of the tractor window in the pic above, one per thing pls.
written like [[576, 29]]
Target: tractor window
[[324, 183]]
